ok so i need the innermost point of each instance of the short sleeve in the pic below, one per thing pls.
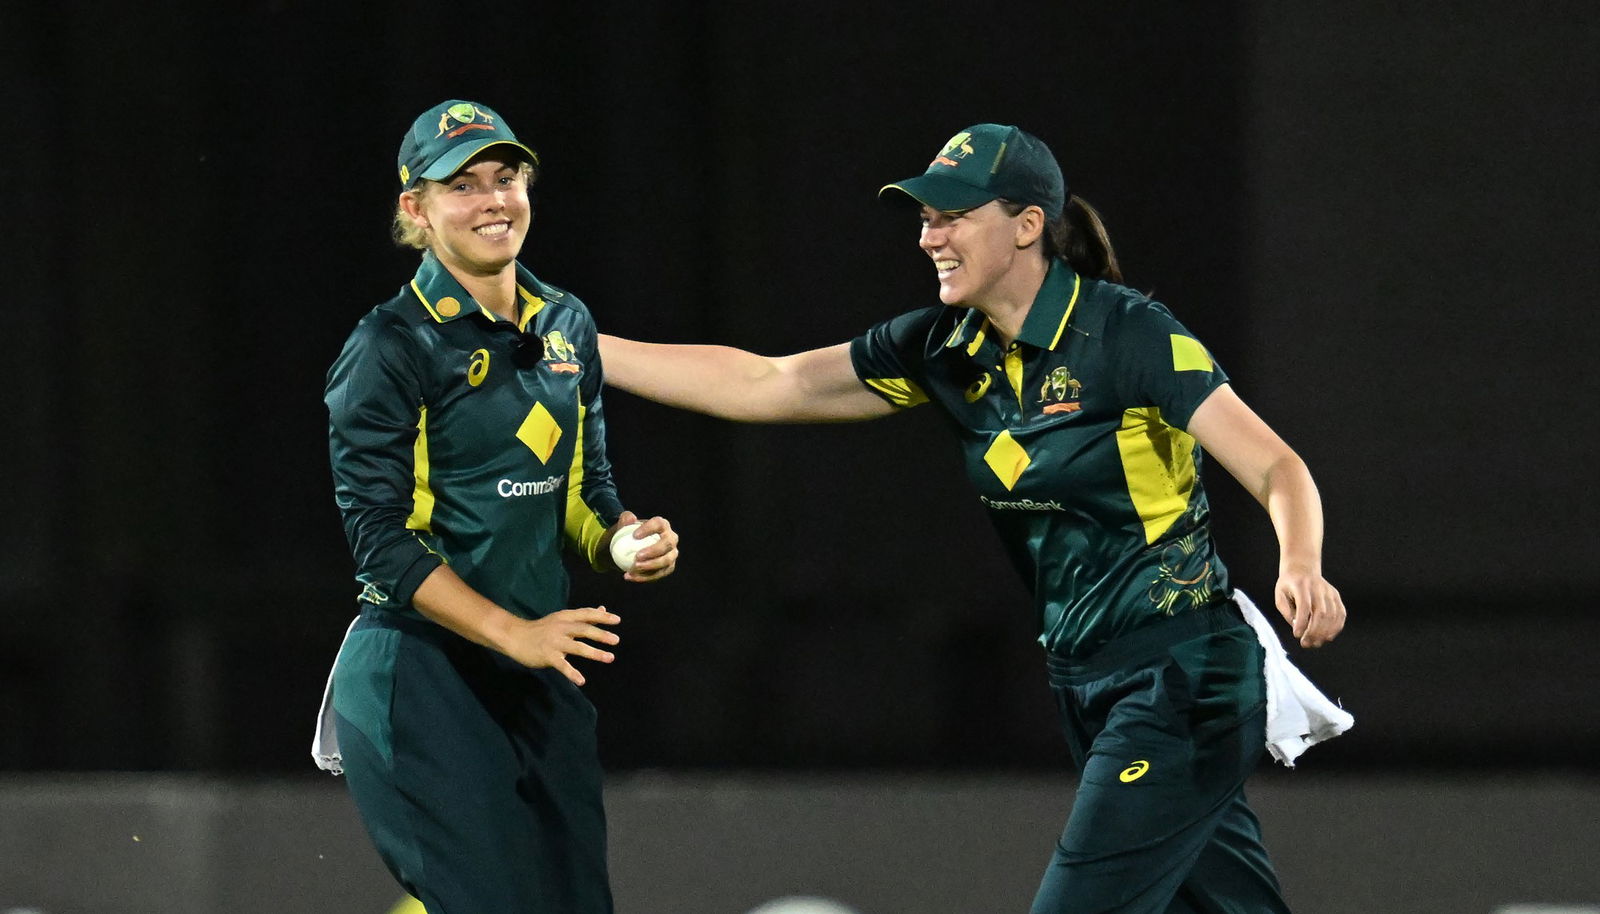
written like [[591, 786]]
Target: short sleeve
[[1163, 364], [890, 357]]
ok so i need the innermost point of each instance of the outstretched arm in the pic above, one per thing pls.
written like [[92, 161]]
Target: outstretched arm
[[1254, 454], [815, 386]]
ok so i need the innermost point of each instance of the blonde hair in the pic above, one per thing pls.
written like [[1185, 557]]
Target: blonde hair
[[408, 234]]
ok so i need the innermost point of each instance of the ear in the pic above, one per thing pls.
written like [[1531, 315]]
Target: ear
[[1030, 226], [411, 205]]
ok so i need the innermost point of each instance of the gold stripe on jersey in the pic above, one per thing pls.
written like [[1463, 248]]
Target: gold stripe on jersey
[[583, 526], [1189, 355], [421, 493], [902, 392], [1158, 463]]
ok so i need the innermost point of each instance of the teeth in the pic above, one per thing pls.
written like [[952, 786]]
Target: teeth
[[499, 228], [943, 265]]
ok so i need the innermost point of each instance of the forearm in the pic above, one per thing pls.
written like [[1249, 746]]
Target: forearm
[[819, 385], [1279, 480], [717, 380], [446, 599], [1290, 496], [1313, 607]]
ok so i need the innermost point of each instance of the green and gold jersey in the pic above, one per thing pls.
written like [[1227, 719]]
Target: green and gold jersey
[[462, 438], [1074, 437]]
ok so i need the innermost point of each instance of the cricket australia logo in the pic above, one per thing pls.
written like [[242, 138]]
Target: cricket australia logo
[[559, 353], [458, 119], [954, 151], [1060, 391]]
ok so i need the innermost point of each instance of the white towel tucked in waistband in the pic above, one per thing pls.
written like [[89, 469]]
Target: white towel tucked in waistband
[[1298, 715], [325, 744]]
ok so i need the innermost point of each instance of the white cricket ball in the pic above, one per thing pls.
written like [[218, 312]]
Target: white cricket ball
[[802, 904], [624, 547]]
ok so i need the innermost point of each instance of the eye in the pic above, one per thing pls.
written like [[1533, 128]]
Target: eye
[[461, 187]]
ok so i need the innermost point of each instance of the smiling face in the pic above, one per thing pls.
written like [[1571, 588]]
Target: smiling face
[[977, 251], [477, 218]]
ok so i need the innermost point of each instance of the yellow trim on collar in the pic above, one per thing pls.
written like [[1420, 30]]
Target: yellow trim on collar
[[531, 305], [954, 339], [1077, 282], [425, 303], [977, 340]]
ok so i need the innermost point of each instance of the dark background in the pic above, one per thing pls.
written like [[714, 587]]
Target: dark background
[[1382, 219]]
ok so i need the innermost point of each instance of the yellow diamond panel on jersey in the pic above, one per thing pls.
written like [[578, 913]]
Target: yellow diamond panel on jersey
[[1007, 459], [540, 432]]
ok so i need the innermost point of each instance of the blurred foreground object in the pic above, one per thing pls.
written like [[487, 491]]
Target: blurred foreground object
[[802, 904]]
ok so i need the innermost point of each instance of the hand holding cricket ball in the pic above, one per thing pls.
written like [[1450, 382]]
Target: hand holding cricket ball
[[643, 550]]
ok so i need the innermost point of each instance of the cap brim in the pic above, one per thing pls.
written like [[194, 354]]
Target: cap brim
[[941, 192], [452, 161]]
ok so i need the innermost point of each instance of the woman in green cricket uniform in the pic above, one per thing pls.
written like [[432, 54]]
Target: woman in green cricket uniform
[[1083, 409], [468, 446]]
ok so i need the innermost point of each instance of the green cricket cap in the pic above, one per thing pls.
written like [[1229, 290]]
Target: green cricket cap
[[445, 136], [986, 162]]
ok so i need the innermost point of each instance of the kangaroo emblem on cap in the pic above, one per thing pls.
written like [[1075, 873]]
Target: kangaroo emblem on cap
[[465, 114]]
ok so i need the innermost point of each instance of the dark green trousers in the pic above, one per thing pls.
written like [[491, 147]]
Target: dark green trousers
[[1164, 724], [477, 778]]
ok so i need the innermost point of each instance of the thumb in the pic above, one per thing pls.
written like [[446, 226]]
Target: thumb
[[1286, 603]]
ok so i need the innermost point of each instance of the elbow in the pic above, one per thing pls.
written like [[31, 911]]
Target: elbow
[[1286, 473]]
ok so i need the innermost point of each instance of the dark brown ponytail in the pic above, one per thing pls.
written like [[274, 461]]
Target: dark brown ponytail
[[1079, 238]]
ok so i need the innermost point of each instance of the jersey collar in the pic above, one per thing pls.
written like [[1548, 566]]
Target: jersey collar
[[445, 300], [1046, 323]]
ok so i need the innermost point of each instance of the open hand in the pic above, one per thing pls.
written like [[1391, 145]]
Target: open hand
[[551, 640]]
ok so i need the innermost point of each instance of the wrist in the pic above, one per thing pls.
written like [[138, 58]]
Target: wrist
[[1300, 565], [499, 629]]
